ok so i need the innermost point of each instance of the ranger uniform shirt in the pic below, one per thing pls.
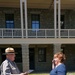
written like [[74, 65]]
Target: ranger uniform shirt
[[8, 67]]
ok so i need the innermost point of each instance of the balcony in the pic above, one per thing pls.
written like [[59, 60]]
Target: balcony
[[36, 33]]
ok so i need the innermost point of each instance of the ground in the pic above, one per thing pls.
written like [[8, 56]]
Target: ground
[[69, 73]]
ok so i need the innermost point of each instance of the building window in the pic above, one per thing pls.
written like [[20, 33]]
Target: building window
[[61, 22], [63, 50], [42, 54], [35, 21], [9, 20]]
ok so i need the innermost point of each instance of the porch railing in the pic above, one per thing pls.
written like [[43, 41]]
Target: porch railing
[[36, 33]]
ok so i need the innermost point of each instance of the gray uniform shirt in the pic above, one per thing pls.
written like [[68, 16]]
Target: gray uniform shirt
[[8, 67]]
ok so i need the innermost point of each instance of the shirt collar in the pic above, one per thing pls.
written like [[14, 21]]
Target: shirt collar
[[58, 64]]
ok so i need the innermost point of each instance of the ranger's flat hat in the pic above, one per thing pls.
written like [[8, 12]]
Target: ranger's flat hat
[[9, 50]]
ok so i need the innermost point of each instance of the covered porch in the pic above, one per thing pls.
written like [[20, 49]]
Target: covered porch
[[25, 31]]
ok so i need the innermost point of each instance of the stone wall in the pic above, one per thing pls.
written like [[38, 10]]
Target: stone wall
[[43, 66], [46, 17], [69, 51], [14, 11]]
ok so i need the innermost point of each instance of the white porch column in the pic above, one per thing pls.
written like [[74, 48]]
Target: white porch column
[[55, 18], [25, 10], [57, 14], [57, 48], [23, 2], [59, 26], [21, 13], [25, 57]]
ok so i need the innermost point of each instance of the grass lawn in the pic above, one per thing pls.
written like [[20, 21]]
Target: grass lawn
[[69, 73], [39, 74]]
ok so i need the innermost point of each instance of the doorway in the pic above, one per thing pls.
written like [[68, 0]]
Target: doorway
[[2, 55], [31, 58]]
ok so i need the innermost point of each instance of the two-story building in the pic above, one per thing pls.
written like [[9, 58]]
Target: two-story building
[[37, 29]]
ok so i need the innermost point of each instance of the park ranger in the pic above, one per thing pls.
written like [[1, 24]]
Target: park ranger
[[8, 66]]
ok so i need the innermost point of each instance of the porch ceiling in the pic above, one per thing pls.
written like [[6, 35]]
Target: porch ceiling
[[44, 4]]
